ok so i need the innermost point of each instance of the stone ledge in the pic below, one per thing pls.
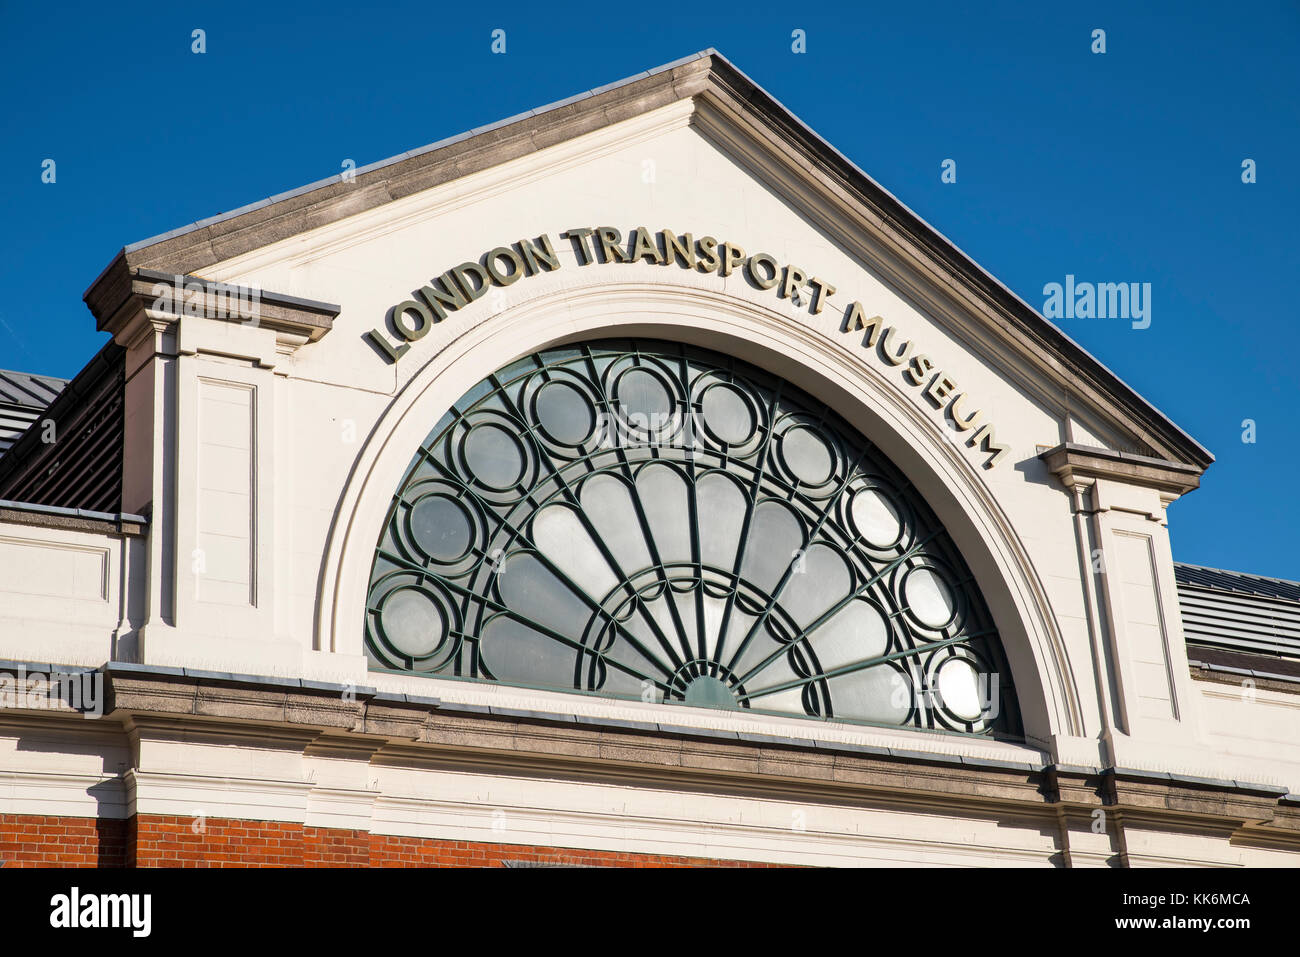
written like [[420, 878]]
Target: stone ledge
[[1083, 464], [412, 731], [73, 519], [1268, 673], [128, 293]]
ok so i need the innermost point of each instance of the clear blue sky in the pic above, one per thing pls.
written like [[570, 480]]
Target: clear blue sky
[[1123, 166]]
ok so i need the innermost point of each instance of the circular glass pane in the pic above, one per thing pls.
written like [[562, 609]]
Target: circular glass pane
[[807, 455], [876, 517], [644, 398], [494, 456], [565, 413], [727, 414], [442, 528], [413, 622], [959, 689], [929, 598]]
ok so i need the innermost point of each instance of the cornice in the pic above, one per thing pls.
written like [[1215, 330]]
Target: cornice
[[1082, 465], [408, 732], [130, 302]]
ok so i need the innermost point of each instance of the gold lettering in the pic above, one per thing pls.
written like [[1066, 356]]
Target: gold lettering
[[442, 294], [508, 254], [581, 247], [674, 249], [986, 434], [919, 369], [412, 332], [381, 343], [774, 271], [709, 259], [821, 293], [534, 257], [794, 278], [611, 245], [477, 285], [940, 388], [892, 355], [854, 321], [643, 248], [965, 423], [733, 256]]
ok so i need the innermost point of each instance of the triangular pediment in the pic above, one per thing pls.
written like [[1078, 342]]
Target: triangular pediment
[[710, 99]]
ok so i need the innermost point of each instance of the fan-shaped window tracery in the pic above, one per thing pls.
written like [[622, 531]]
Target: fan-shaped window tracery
[[653, 521]]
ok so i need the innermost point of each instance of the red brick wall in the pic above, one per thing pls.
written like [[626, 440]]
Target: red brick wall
[[33, 840], [389, 851], [170, 841], [155, 840]]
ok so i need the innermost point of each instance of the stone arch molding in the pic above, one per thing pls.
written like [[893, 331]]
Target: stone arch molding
[[1049, 700]]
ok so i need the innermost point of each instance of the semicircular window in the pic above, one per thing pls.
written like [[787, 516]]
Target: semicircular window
[[652, 521]]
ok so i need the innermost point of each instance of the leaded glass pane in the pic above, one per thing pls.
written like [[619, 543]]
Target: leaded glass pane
[[648, 520]]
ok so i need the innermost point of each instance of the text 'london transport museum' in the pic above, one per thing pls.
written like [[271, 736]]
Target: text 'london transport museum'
[[632, 481]]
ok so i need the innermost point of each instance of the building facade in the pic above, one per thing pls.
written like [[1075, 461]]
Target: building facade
[[633, 481]]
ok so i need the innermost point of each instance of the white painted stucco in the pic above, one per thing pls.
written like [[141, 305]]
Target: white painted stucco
[[277, 466]]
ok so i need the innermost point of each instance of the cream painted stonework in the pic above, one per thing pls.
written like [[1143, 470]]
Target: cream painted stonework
[[268, 462]]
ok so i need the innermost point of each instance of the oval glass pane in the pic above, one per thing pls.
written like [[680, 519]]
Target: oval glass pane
[[727, 414], [875, 517], [565, 413], [413, 622], [959, 689], [442, 528], [929, 598], [494, 456], [807, 455]]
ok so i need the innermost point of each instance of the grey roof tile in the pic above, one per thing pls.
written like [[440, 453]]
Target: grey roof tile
[[29, 391], [1252, 614], [1258, 585]]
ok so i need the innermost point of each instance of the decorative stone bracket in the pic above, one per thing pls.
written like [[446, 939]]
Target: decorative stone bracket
[[1082, 465], [129, 303]]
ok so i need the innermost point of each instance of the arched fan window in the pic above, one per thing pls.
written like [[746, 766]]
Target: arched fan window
[[652, 521]]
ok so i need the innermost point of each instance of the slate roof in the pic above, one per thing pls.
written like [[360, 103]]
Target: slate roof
[[1235, 611], [23, 397]]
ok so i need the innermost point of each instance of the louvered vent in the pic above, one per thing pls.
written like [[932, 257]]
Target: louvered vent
[[82, 467], [1239, 612]]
